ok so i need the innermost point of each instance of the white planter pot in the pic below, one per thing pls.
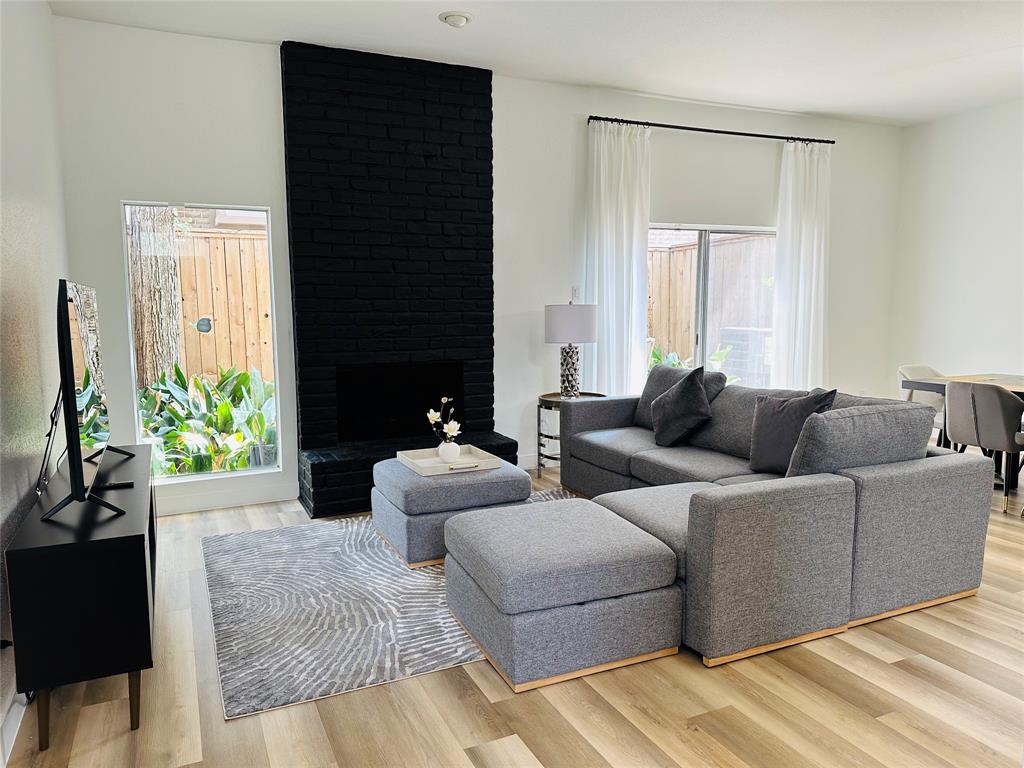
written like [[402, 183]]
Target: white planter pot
[[449, 452]]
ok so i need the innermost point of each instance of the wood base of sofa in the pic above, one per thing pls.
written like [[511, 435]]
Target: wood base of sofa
[[423, 564], [531, 684], [717, 660], [914, 607], [406, 563], [759, 649]]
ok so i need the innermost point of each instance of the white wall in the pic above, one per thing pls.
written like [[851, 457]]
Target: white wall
[[153, 116], [156, 116], [959, 280], [33, 257], [540, 141]]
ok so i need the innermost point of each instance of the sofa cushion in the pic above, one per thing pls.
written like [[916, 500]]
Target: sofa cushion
[[732, 418], [686, 464], [556, 553], [757, 477], [660, 379], [662, 511], [611, 448], [860, 436], [590, 480], [777, 425], [846, 400], [415, 494], [680, 409]]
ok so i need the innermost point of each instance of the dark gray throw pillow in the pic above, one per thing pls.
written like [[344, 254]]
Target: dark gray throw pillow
[[777, 425], [681, 409], [662, 378], [714, 383]]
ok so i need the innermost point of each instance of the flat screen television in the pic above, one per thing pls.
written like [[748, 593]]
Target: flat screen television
[[86, 421], [82, 399]]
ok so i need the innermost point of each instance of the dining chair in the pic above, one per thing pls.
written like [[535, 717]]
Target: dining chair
[[934, 399], [988, 417], [1020, 442]]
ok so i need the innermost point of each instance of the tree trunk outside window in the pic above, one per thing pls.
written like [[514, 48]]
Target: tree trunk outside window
[[155, 291]]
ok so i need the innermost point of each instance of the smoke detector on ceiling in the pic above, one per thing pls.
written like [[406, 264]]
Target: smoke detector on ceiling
[[457, 19]]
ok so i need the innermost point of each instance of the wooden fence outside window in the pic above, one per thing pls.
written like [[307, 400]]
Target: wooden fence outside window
[[739, 293], [225, 278]]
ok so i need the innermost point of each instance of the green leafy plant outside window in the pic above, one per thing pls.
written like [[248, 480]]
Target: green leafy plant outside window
[[93, 421], [716, 360], [196, 425]]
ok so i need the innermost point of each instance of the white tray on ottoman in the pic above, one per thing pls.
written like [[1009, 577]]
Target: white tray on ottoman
[[426, 462], [410, 510]]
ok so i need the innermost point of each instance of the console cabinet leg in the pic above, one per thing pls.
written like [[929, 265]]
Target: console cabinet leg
[[43, 718], [134, 696]]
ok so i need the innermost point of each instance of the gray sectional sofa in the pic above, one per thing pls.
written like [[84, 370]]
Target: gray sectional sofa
[[868, 520], [686, 545]]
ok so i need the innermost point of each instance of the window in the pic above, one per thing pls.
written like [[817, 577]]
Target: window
[[201, 304], [710, 300]]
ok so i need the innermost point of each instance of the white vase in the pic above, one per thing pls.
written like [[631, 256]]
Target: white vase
[[449, 452]]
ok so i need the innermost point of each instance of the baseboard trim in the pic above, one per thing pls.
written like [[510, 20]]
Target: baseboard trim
[[767, 647], [9, 727]]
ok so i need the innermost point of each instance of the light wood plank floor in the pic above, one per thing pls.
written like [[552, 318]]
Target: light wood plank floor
[[940, 687]]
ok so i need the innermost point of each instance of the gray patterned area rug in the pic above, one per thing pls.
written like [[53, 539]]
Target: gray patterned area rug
[[309, 611]]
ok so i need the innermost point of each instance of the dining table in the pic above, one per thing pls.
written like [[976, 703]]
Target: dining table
[[1011, 382]]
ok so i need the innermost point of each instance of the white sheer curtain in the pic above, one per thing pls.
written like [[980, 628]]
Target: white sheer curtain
[[801, 266], [618, 214]]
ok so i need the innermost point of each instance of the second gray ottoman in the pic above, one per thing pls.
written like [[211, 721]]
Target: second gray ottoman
[[410, 510], [561, 589]]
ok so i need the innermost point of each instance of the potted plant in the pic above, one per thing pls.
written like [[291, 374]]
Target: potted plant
[[446, 429]]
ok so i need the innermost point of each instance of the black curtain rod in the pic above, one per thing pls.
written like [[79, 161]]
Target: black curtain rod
[[695, 129]]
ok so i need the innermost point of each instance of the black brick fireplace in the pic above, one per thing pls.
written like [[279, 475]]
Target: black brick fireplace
[[390, 225], [382, 400]]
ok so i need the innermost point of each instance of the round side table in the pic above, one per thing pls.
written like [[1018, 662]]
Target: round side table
[[552, 401]]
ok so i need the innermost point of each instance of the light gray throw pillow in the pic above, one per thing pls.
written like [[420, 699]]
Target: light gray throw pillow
[[778, 422], [660, 379], [861, 436], [681, 409]]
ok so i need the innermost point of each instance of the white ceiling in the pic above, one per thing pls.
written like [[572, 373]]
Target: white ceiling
[[898, 62]]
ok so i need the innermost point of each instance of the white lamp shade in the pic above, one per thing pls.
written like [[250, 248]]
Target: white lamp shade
[[570, 323]]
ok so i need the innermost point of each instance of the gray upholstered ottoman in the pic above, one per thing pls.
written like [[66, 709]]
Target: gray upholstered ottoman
[[410, 510], [561, 589]]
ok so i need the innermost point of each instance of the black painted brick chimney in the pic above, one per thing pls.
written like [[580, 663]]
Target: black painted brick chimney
[[390, 189]]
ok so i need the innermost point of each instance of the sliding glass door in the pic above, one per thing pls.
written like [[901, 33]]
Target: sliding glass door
[[711, 300]]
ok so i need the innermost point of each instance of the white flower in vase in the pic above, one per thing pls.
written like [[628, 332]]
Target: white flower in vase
[[452, 430]]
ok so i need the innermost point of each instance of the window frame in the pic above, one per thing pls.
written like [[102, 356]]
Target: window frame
[[704, 233], [137, 424]]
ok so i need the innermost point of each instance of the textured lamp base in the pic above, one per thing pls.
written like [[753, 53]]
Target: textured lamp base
[[570, 371]]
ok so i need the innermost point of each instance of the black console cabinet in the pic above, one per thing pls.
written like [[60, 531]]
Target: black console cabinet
[[82, 586]]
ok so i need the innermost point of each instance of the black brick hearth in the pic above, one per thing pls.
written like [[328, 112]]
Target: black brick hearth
[[390, 220]]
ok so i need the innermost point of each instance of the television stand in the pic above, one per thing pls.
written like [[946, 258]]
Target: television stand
[[98, 485], [91, 458], [91, 498], [88, 576]]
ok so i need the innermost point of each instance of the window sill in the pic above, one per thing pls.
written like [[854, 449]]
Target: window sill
[[171, 480]]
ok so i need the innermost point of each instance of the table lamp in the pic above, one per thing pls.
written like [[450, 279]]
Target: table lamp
[[570, 324]]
